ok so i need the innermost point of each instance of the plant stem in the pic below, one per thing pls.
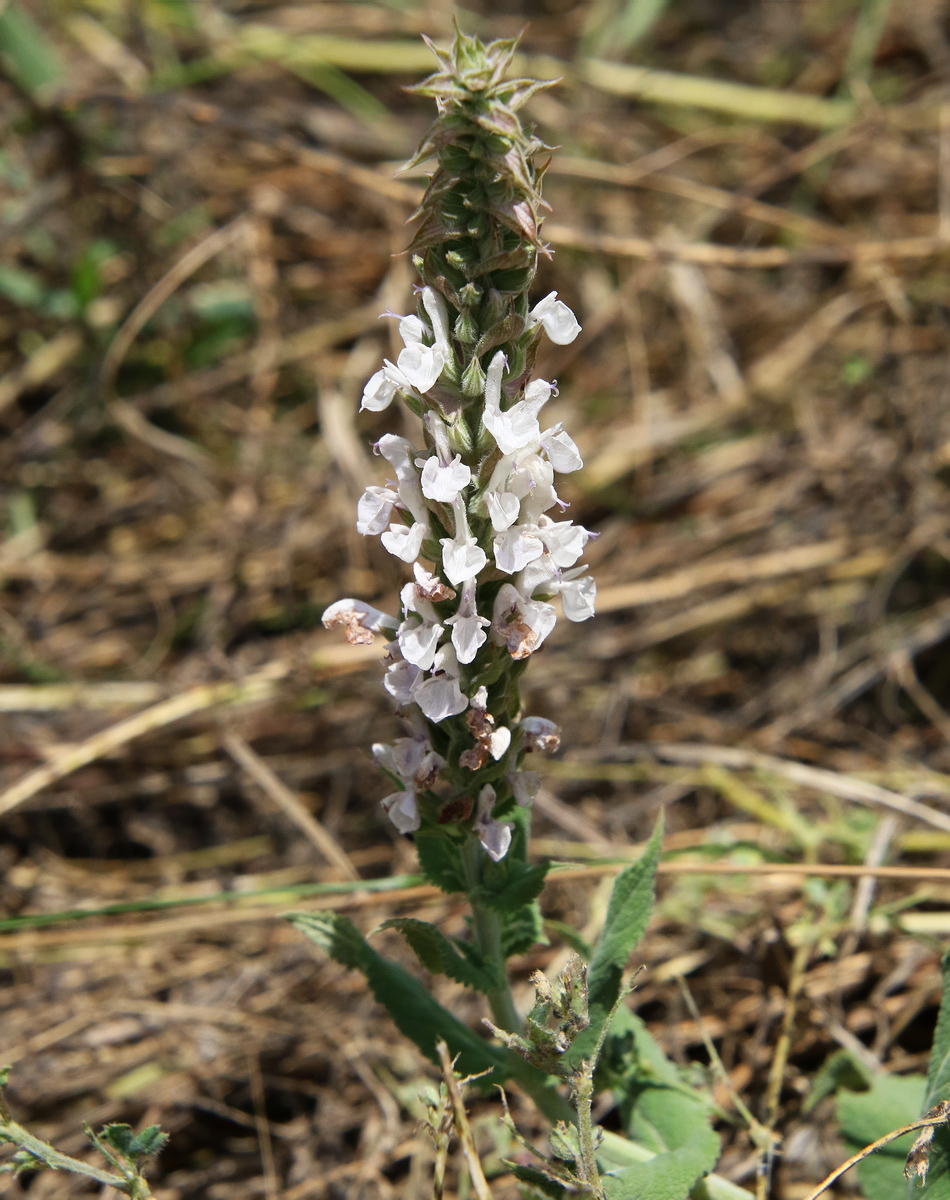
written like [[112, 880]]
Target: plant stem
[[486, 928]]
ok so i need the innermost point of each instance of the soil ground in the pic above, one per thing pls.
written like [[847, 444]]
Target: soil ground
[[202, 221]]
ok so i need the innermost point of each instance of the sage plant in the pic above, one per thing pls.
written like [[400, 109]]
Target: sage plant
[[471, 504]]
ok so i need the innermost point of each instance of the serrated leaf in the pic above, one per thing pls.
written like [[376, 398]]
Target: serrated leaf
[[438, 955], [628, 913], [519, 884], [439, 860], [413, 1009], [890, 1102], [522, 930], [631, 903]]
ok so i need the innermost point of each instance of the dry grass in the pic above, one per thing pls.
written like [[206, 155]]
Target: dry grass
[[202, 225]]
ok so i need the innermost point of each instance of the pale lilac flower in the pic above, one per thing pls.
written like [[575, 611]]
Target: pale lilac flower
[[559, 322], [540, 734], [402, 810], [360, 620], [416, 765], [489, 741], [400, 680], [494, 835], [525, 785]]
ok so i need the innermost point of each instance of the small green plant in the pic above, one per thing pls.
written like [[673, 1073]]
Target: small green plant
[[124, 1150]]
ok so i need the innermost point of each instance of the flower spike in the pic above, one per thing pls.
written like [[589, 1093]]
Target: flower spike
[[471, 503]]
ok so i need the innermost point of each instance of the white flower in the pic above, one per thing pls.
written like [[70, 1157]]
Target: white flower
[[519, 623], [444, 481], [359, 620], [429, 586], [516, 547], [418, 642], [420, 365], [494, 835], [559, 322], [561, 450], [434, 304], [405, 541], [563, 540], [503, 509], [411, 329], [578, 593], [439, 695], [378, 393], [530, 478], [375, 509], [468, 628], [517, 428], [418, 636], [462, 558]]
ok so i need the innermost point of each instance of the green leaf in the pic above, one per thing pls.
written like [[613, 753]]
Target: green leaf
[[27, 52], [517, 885], [843, 1070], [890, 1101], [416, 1013], [522, 930], [938, 1073], [628, 913], [148, 1141], [937, 1183], [438, 955], [660, 1112], [541, 1183], [669, 1176], [119, 1137], [439, 860]]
